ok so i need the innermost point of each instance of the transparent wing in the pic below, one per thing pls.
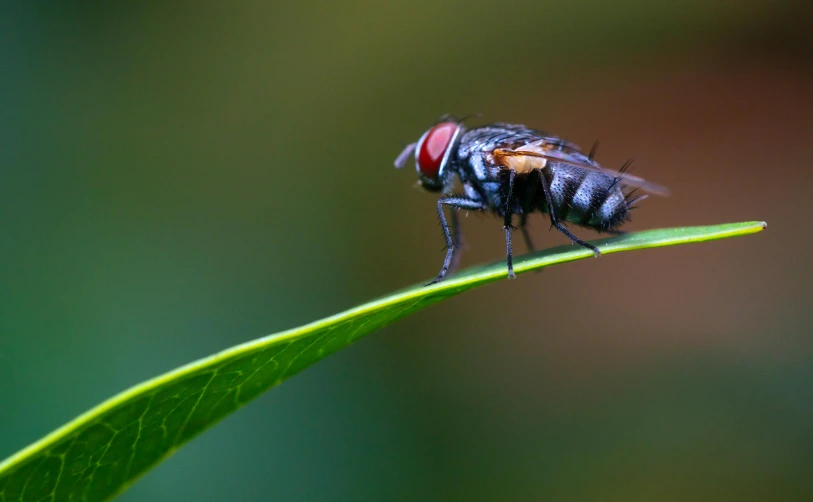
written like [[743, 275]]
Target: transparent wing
[[537, 155]]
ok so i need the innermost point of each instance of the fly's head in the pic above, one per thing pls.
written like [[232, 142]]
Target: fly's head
[[433, 153]]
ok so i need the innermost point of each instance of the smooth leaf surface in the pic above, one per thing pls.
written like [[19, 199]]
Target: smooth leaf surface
[[103, 451]]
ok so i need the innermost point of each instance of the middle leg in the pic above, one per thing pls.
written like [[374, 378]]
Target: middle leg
[[507, 226], [523, 221]]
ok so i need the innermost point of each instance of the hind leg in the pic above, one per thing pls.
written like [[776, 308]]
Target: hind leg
[[555, 220]]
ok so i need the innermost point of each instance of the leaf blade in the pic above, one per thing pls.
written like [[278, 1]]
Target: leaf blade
[[103, 451]]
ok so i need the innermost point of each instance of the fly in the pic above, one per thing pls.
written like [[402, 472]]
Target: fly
[[509, 169]]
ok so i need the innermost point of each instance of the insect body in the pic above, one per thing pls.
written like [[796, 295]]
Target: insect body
[[511, 170]]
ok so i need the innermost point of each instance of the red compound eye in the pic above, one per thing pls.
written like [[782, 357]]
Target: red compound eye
[[433, 148]]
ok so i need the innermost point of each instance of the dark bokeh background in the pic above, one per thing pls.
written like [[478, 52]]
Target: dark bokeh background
[[178, 177]]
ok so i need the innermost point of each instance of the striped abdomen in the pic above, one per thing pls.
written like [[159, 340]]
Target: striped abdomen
[[586, 198]]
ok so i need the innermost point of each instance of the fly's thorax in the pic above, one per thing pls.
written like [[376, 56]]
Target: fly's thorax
[[478, 144], [470, 191], [474, 163]]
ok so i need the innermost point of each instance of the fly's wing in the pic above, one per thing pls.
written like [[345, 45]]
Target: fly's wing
[[536, 155], [553, 143]]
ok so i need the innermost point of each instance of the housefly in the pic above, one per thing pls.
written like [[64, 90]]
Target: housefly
[[509, 169]]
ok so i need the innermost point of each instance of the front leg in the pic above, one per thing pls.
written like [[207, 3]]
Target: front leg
[[455, 203], [457, 239]]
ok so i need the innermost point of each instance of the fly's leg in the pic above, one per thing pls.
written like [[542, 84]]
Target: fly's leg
[[457, 239], [531, 191], [555, 221], [507, 224], [523, 219], [454, 203], [509, 257], [526, 203]]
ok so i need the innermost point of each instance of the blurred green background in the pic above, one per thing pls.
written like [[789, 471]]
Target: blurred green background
[[178, 177]]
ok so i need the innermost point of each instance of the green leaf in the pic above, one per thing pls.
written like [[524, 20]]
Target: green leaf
[[100, 453]]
